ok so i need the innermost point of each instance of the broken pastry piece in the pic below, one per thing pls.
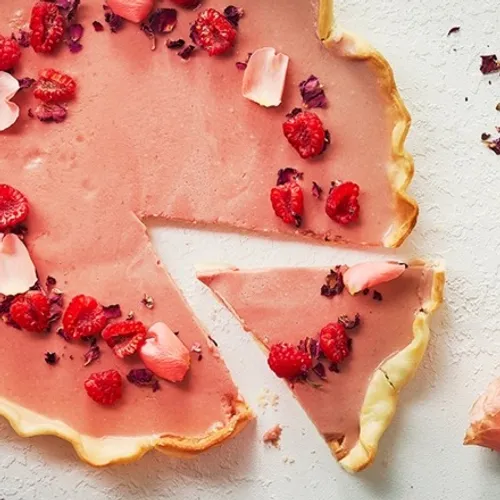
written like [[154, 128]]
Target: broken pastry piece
[[345, 357]]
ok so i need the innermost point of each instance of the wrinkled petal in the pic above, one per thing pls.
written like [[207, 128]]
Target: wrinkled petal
[[484, 429], [17, 271], [264, 77], [9, 111], [370, 274], [164, 354], [132, 10]]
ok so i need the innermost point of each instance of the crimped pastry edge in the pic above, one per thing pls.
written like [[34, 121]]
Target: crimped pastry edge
[[100, 452], [381, 398], [401, 169]]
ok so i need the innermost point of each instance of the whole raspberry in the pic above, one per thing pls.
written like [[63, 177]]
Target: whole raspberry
[[288, 202], [305, 132], [288, 361], [31, 311], [14, 207], [53, 86], [10, 53], [83, 317], [125, 337], [47, 27], [334, 342], [342, 204], [104, 387], [213, 32]]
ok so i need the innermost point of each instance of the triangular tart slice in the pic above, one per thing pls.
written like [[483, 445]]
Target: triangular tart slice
[[384, 310]]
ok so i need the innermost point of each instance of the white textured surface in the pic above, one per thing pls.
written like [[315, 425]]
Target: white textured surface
[[457, 183]]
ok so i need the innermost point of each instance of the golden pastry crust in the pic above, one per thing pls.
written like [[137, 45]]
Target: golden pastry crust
[[111, 450], [400, 170], [391, 376]]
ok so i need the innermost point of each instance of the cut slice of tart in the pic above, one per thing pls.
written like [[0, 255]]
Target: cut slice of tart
[[192, 148], [345, 350]]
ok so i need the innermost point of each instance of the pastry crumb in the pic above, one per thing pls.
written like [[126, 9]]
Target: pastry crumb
[[273, 435], [267, 399], [288, 460]]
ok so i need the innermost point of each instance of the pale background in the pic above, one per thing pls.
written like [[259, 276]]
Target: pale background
[[457, 184]]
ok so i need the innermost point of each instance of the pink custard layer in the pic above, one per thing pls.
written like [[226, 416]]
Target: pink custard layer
[[152, 135], [285, 305]]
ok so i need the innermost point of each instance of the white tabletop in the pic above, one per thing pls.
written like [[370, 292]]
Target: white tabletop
[[457, 184]]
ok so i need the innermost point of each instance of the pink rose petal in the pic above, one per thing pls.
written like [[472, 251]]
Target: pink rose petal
[[484, 429], [17, 272], [370, 274], [9, 111], [132, 10], [264, 77], [164, 354]]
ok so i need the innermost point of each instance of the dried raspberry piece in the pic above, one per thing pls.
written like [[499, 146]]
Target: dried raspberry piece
[[288, 361], [47, 27], [14, 207], [53, 86], [334, 342], [10, 53], [288, 202], [104, 387], [125, 337], [342, 204], [83, 317], [31, 311], [305, 132], [213, 32]]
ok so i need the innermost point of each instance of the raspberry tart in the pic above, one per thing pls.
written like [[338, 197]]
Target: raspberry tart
[[353, 336]]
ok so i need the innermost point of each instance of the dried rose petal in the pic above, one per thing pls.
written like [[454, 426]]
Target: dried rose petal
[[68, 8], [233, 14], [160, 21], [92, 354], [22, 38], [50, 282], [241, 65], [348, 323], [334, 283], [143, 378], [319, 370], [113, 311], [294, 112], [312, 93], [287, 175], [26, 83], [377, 296], [175, 44], [63, 334], [50, 113], [489, 64], [51, 358], [115, 22], [75, 32], [97, 26], [455, 29], [316, 190], [186, 52]]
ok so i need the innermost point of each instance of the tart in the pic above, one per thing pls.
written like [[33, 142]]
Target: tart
[[351, 392]]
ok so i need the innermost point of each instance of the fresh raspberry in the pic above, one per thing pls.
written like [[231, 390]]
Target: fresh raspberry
[[83, 317], [342, 204], [288, 202], [213, 32], [47, 27], [334, 342], [305, 132], [10, 53], [14, 207], [53, 86], [125, 337], [288, 361], [104, 387], [31, 311]]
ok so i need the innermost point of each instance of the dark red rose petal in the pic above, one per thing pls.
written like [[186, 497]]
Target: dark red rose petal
[[233, 14], [143, 378], [115, 22], [22, 38], [455, 29], [334, 283], [175, 44], [316, 190], [113, 311], [489, 64], [287, 175], [93, 354], [51, 358], [350, 324], [313, 95], [186, 52], [26, 83], [97, 26], [49, 113]]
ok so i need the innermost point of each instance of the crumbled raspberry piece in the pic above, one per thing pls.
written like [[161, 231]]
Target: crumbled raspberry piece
[[125, 337], [84, 317], [305, 132], [213, 32], [288, 202], [31, 311], [14, 207], [342, 204], [334, 342], [288, 361], [53, 86], [47, 27], [104, 387], [10, 53]]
